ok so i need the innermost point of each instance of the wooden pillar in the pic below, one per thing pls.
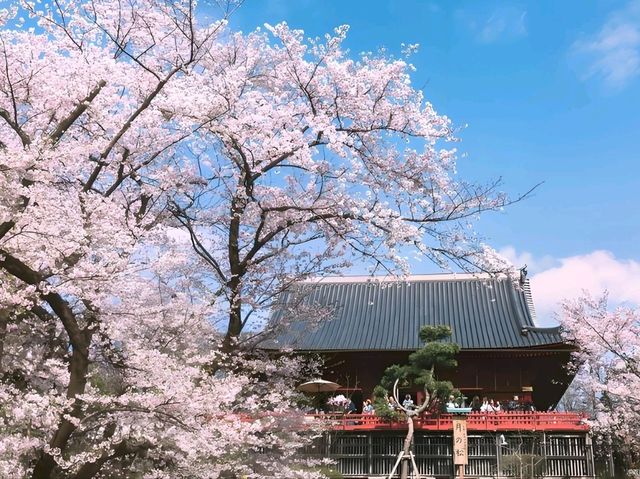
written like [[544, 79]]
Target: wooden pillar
[[544, 451], [370, 453], [589, 451], [498, 456]]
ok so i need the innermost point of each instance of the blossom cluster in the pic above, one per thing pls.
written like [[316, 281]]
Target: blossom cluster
[[163, 183], [607, 363]]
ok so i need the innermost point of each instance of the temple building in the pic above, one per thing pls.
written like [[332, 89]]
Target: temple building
[[373, 323]]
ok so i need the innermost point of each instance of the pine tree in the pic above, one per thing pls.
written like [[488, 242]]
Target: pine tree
[[436, 354]]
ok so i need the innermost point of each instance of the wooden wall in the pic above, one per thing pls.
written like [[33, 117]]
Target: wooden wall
[[498, 374]]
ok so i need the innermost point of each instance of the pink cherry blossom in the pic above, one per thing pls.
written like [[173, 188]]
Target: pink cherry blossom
[[607, 362], [163, 180]]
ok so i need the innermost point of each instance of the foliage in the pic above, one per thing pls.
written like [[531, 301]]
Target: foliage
[[579, 397], [162, 180], [314, 161], [608, 369], [523, 466], [381, 405], [424, 362], [521, 457], [331, 473], [107, 326]]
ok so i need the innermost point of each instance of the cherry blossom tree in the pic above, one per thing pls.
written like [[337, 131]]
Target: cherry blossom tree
[[105, 323], [608, 366], [162, 181], [315, 160]]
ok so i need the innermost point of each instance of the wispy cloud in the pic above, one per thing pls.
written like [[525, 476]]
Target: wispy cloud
[[566, 278], [612, 54], [503, 23], [506, 22], [524, 258]]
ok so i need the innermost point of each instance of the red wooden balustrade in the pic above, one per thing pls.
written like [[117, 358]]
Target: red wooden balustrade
[[500, 421]]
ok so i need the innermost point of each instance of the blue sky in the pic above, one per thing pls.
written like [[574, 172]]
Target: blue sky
[[550, 92]]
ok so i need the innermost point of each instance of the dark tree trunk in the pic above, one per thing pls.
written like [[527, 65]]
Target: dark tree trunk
[[234, 285], [234, 327], [79, 338], [78, 368], [404, 467]]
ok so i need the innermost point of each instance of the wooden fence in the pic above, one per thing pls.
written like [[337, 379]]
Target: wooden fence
[[372, 454]]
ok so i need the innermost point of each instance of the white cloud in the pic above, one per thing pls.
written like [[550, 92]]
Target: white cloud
[[524, 258], [613, 53], [505, 22], [567, 278]]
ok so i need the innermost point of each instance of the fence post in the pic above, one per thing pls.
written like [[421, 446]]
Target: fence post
[[498, 455], [370, 453]]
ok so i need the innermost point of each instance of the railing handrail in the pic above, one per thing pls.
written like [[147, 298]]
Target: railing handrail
[[476, 421]]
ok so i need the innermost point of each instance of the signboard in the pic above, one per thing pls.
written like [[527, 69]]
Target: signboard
[[460, 442]]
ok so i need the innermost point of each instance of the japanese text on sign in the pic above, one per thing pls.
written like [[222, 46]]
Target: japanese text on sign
[[459, 441]]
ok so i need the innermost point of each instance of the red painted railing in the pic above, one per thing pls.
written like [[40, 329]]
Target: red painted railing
[[501, 421]]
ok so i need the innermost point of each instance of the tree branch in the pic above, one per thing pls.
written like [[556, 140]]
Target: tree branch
[[80, 108], [143, 106], [26, 141]]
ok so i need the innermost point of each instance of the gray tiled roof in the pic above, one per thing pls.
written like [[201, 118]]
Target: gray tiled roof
[[484, 313]]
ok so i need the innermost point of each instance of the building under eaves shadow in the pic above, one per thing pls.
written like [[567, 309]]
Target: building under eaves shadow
[[366, 324], [372, 323]]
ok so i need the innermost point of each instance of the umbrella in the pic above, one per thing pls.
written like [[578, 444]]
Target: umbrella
[[318, 386]]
